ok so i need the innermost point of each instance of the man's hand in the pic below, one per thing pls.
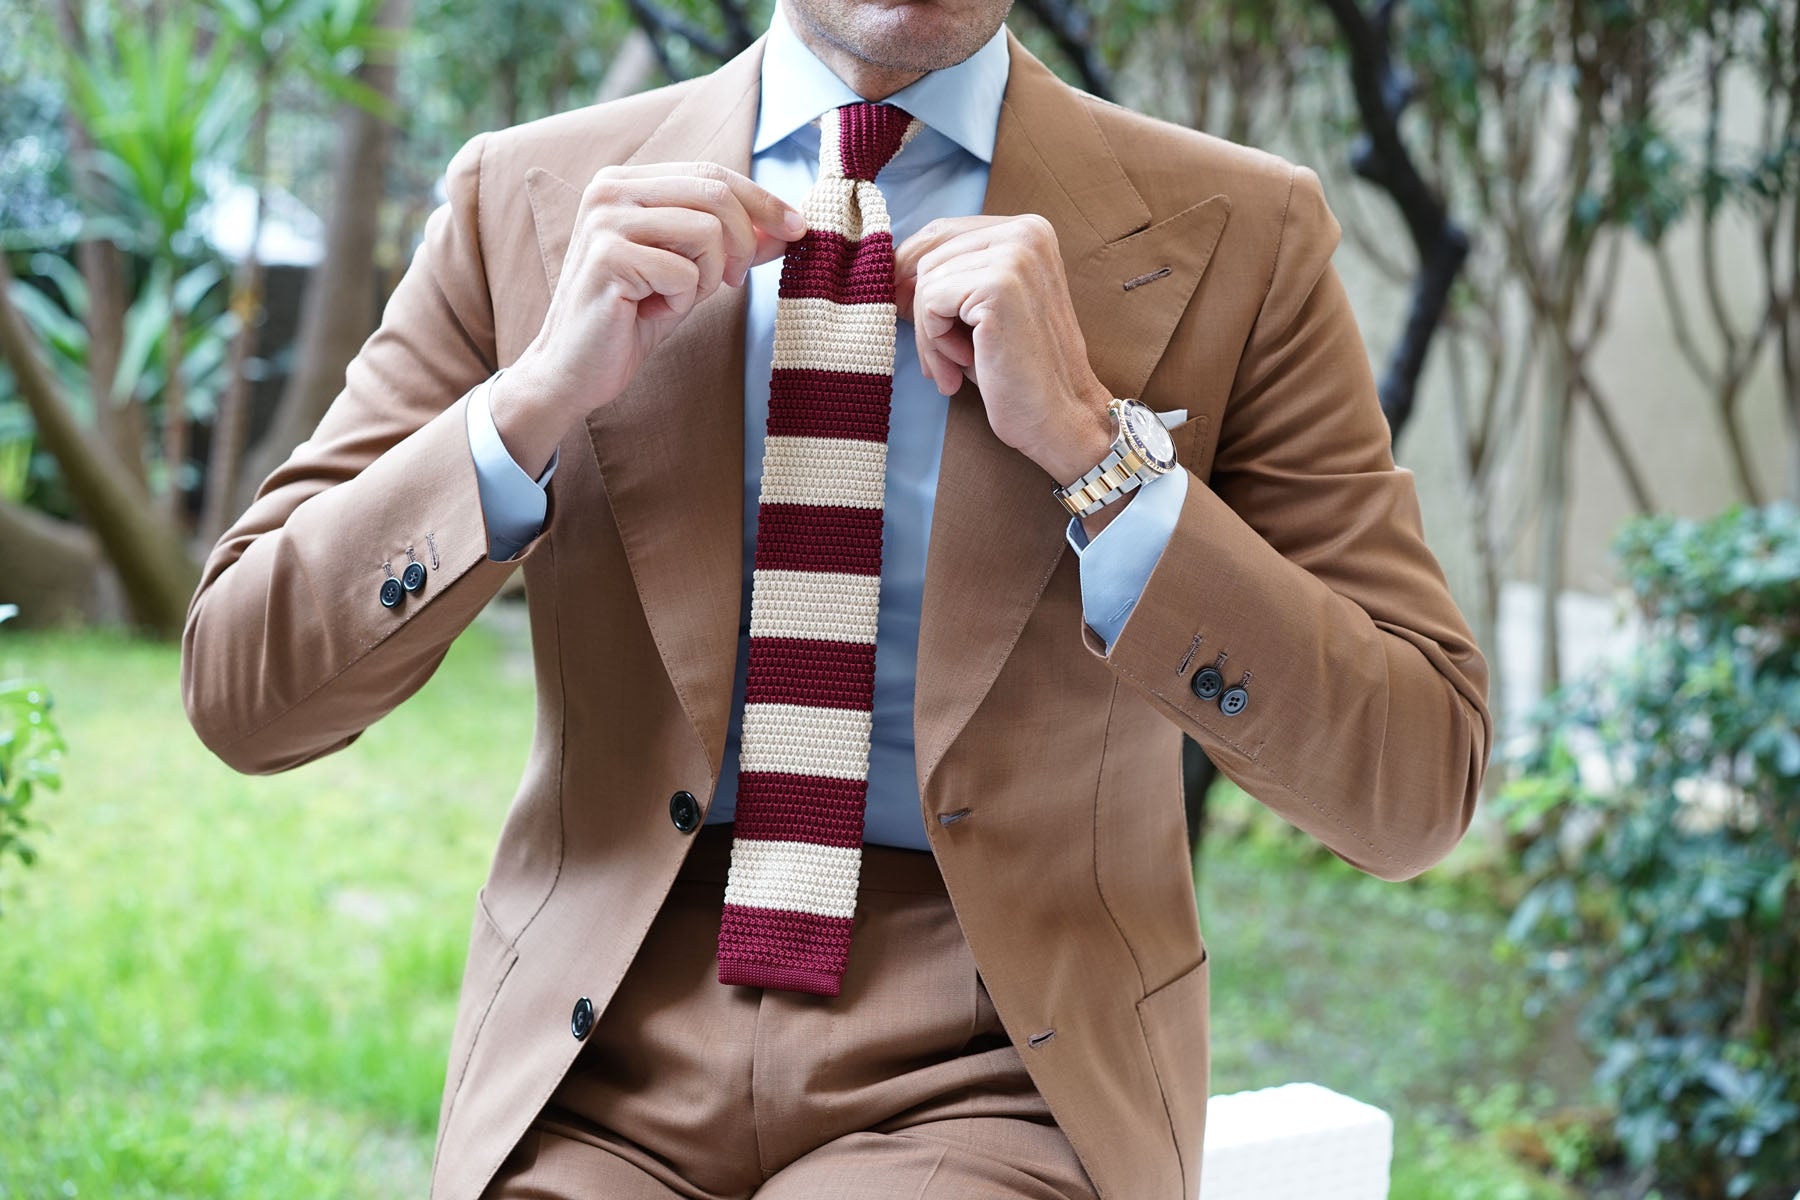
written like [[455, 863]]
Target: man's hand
[[989, 302], [650, 242]]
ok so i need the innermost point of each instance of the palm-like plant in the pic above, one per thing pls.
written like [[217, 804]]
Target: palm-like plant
[[158, 104]]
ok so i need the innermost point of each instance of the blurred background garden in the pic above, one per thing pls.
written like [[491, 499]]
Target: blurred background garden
[[1572, 234]]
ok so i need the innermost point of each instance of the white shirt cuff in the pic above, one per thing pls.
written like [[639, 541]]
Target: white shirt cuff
[[1118, 561], [512, 503]]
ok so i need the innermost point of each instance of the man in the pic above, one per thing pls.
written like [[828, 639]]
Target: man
[[602, 364]]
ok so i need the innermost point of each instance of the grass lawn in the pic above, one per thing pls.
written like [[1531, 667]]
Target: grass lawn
[[218, 986]]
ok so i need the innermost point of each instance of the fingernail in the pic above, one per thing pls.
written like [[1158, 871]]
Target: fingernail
[[795, 223]]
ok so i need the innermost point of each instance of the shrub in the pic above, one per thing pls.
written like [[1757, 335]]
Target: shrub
[[30, 749], [1659, 810]]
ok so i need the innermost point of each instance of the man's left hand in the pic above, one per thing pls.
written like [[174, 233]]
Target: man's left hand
[[989, 302]]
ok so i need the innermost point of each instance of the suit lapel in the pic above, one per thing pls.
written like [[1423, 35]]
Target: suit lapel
[[671, 448], [997, 533]]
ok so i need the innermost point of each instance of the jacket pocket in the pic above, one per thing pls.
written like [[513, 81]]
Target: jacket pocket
[[491, 959], [1174, 1021]]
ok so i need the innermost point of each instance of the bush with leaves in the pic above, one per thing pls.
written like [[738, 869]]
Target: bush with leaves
[[30, 749], [1659, 810]]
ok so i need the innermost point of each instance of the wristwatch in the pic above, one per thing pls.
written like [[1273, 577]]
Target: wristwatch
[[1140, 452]]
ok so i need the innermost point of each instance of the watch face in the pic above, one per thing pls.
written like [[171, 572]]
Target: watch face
[[1150, 433]]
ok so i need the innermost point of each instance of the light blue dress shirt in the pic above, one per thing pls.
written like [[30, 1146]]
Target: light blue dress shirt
[[943, 172]]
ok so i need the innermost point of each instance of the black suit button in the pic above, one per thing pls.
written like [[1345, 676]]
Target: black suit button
[[413, 578], [391, 592], [581, 1021], [1234, 701], [1208, 682], [684, 810]]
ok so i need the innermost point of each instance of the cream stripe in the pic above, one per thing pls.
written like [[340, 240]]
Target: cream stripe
[[825, 605], [854, 208], [818, 470], [823, 335], [804, 739], [795, 876]]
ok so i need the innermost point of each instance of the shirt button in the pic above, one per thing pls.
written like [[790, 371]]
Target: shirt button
[[581, 1021], [684, 810], [413, 578], [1208, 682], [391, 592], [1234, 701]]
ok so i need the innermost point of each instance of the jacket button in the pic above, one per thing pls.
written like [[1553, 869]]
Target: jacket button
[[581, 1021], [1208, 682], [391, 592], [413, 578], [1234, 701], [684, 810]]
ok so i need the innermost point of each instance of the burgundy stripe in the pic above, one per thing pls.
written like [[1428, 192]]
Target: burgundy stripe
[[868, 136], [807, 402], [825, 265], [826, 674], [818, 537], [779, 806], [765, 947]]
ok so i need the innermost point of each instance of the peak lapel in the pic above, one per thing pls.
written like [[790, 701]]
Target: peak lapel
[[671, 448], [997, 533]]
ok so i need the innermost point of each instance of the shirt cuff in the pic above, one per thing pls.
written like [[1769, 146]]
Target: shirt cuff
[[1117, 562], [512, 503]]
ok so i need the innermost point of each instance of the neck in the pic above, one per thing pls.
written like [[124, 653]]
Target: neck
[[871, 81]]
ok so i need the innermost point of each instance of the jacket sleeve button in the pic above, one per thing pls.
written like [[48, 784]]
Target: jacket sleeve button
[[1234, 701], [391, 592], [413, 578], [684, 810], [1208, 682], [581, 1021]]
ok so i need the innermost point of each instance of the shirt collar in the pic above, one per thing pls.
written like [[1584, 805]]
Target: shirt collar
[[961, 102]]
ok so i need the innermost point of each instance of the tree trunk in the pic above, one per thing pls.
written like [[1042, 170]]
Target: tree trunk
[[55, 572], [175, 416], [148, 553], [230, 425], [103, 270], [1553, 516], [1198, 774], [338, 312], [632, 69]]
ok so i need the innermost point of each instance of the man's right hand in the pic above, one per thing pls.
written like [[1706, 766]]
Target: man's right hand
[[650, 242]]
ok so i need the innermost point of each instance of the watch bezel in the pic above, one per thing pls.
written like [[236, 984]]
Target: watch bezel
[[1131, 437]]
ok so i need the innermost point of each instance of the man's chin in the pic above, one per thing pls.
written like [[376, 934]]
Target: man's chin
[[916, 35]]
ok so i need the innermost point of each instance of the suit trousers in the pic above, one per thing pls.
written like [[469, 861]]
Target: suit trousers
[[905, 1084]]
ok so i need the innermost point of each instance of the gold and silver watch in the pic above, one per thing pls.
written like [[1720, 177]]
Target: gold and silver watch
[[1141, 450]]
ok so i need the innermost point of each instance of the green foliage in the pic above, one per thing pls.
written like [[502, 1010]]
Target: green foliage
[[30, 754], [158, 106], [1659, 807], [57, 313]]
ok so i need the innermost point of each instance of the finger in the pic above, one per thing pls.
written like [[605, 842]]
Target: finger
[[934, 234], [697, 235], [769, 211], [668, 192], [952, 251], [935, 330], [660, 281]]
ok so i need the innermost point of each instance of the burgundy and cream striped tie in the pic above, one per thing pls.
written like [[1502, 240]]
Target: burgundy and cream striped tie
[[796, 851]]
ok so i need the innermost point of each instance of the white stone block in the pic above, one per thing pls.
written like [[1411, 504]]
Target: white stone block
[[1299, 1141]]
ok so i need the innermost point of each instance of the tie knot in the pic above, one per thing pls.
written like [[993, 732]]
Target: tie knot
[[867, 136]]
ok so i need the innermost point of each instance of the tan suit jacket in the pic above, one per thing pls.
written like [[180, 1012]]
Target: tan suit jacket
[[1201, 273]]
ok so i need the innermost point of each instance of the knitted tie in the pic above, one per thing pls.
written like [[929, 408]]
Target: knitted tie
[[796, 851]]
